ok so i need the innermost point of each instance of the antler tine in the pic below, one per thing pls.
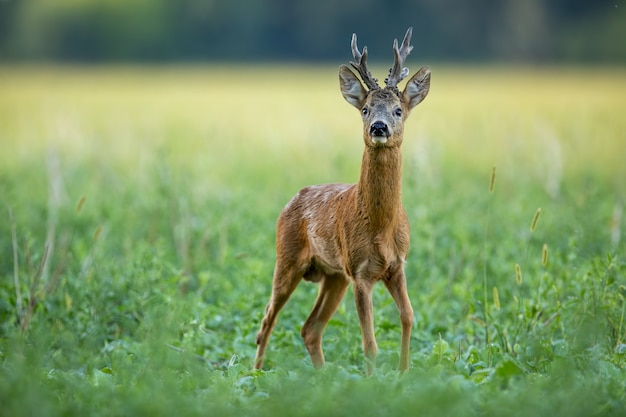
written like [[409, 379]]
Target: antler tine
[[397, 72], [360, 64]]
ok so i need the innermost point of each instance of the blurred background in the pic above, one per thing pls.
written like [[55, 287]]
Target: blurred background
[[95, 31]]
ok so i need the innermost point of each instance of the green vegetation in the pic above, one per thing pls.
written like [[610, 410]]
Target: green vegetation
[[138, 209]]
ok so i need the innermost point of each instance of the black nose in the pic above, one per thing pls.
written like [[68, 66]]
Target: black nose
[[379, 129]]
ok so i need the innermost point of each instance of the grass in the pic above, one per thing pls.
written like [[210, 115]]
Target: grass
[[139, 207]]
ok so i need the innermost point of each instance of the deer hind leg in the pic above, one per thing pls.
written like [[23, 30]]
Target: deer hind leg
[[363, 298], [285, 281], [396, 284], [332, 290]]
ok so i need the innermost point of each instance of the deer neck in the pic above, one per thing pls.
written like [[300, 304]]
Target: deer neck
[[380, 186]]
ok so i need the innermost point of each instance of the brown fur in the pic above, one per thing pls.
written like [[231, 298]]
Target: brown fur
[[337, 234]]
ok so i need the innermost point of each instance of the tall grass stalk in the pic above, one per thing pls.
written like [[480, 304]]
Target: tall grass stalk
[[519, 273], [33, 294], [16, 269], [620, 339], [533, 226], [492, 184], [544, 264], [24, 315]]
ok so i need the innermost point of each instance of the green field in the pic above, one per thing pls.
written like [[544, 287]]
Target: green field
[[138, 208]]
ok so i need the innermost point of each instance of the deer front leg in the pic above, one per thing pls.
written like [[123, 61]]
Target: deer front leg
[[363, 298], [396, 284]]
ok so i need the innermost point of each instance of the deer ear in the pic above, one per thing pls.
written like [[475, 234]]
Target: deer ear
[[351, 88], [417, 87]]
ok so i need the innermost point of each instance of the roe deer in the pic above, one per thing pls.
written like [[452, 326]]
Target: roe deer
[[335, 234]]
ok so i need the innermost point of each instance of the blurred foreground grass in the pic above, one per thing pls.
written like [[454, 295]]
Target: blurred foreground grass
[[139, 208]]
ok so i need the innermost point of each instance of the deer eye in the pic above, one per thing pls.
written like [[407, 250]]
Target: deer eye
[[365, 111], [398, 112]]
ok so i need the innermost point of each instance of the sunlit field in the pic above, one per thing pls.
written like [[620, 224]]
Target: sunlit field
[[138, 209]]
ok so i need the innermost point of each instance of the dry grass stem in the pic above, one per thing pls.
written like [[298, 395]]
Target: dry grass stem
[[518, 274], [80, 204], [16, 276], [496, 298], [616, 221], [97, 233], [33, 299], [533, 224]]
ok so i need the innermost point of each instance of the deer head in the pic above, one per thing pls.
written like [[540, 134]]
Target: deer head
[[383, 110]]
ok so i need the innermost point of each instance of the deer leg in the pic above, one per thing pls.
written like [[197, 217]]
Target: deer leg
[[396, 284], [364, 308], [332, 290], [284, 283]]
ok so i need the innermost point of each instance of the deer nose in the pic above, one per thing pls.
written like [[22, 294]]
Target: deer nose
[[379, 128]]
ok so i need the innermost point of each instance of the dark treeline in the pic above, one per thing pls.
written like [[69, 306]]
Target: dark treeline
[[242, 30]]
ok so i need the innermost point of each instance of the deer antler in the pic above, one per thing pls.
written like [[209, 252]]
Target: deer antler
[[360, 65], [397, 72]]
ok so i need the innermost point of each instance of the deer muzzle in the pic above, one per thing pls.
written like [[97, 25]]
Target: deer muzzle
[[379, 132]]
